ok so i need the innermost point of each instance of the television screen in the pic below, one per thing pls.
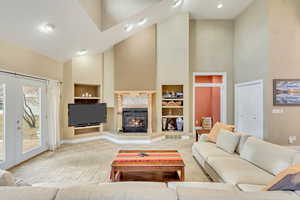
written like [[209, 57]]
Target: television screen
[[87, 114]]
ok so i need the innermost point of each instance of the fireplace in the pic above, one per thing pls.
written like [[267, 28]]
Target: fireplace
[[135, 120]]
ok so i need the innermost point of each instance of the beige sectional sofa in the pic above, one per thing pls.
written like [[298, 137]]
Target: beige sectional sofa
[[242, 176], [254, 164]]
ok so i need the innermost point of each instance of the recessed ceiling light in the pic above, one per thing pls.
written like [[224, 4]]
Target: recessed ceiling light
[[220, 4], [47, 28], [128, 27], [142, 21], [177, 3], [82, 52]]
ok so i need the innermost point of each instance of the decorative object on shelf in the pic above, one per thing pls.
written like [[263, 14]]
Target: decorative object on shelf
[[171, 125], [164, 124], [164, 103], [179, 122], [178, 103], [206, 123], [171, 103], [179, 95], [286, 92]]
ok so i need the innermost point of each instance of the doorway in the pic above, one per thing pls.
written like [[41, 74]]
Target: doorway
[[209, 99], [249, 108], [22, 119]]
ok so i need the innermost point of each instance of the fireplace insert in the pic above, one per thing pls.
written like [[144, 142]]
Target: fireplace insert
[[135, 120]]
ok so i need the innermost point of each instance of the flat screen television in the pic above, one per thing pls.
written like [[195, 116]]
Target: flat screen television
[[81, 115]]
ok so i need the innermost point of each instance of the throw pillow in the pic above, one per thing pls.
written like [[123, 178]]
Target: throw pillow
[[243, 139], [288, 180], [227, 141], [6, 179], [213, 135]]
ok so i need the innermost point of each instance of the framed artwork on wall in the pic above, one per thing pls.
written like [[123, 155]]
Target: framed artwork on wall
[[286, 92]]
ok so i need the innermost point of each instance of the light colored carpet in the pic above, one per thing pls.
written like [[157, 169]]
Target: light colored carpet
[[89, 163]]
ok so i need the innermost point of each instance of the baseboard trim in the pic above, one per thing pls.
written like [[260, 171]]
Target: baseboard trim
[[114, 140], [297, 148]]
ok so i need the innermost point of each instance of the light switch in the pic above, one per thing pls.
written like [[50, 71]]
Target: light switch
[[277, 111]]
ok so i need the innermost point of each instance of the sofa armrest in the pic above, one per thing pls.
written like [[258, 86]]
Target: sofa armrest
[[203, 138]]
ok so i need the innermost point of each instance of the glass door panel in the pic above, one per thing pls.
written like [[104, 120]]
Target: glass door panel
[[31, 122]]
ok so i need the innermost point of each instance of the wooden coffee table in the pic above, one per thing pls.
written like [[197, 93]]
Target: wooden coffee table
[[158, 162]]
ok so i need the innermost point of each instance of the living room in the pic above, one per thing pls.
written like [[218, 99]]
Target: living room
[[192, 99]]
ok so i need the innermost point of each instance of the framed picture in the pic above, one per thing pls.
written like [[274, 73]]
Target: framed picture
[[286, 92]]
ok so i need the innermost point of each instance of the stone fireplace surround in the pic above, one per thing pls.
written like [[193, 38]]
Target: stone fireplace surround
[[127, 100]]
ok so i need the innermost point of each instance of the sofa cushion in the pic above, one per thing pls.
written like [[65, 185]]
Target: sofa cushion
[[206, 194], [6, 179], [207, 149], [227, 141], [116, 192], [243, 139], [213, 135], [238, 171], [270, 157], [251, 187], [202, 185], [27, 193]]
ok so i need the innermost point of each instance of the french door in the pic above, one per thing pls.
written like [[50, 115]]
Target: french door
[[23, 126]]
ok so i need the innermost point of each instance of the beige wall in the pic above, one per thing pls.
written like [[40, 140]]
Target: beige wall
[[94, 9], [135, 61], [251, 43], [88, 69], [23, 60], [173, 61], [211, 50], [284, 27], [108, 77]]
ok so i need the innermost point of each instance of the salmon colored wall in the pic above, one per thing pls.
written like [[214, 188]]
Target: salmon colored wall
[[209, 79], [203, 97], [207, 104], [216, 104]]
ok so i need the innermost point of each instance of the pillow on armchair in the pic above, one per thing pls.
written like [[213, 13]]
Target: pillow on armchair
[[213, 135], [6, 179]]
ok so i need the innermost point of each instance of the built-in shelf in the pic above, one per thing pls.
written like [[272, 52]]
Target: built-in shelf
[[85, 127], [87, 98], [172, 107], [172, 99], [172, 116], [81, 96]]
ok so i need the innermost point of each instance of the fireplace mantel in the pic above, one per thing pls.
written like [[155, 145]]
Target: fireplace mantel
[[134, 99]]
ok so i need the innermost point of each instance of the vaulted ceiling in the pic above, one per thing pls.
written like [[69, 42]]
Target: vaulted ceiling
[[77, 23]]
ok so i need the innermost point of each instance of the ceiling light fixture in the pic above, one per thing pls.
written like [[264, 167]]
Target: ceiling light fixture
[[47, 28], [142, 21], [220, 4], [82, 52], [128, 27], [177, 3]]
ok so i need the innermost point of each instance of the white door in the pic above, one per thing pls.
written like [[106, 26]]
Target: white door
[[249, 108], [23, 120]]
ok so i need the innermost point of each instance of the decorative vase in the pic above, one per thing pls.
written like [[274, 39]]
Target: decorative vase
[[179, 123]]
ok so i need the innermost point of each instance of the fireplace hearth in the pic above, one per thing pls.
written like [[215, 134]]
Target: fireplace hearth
[[135, 120]]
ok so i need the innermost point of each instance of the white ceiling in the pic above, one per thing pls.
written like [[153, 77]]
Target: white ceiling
[[19, 21], [116, 11], [207, 9]]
